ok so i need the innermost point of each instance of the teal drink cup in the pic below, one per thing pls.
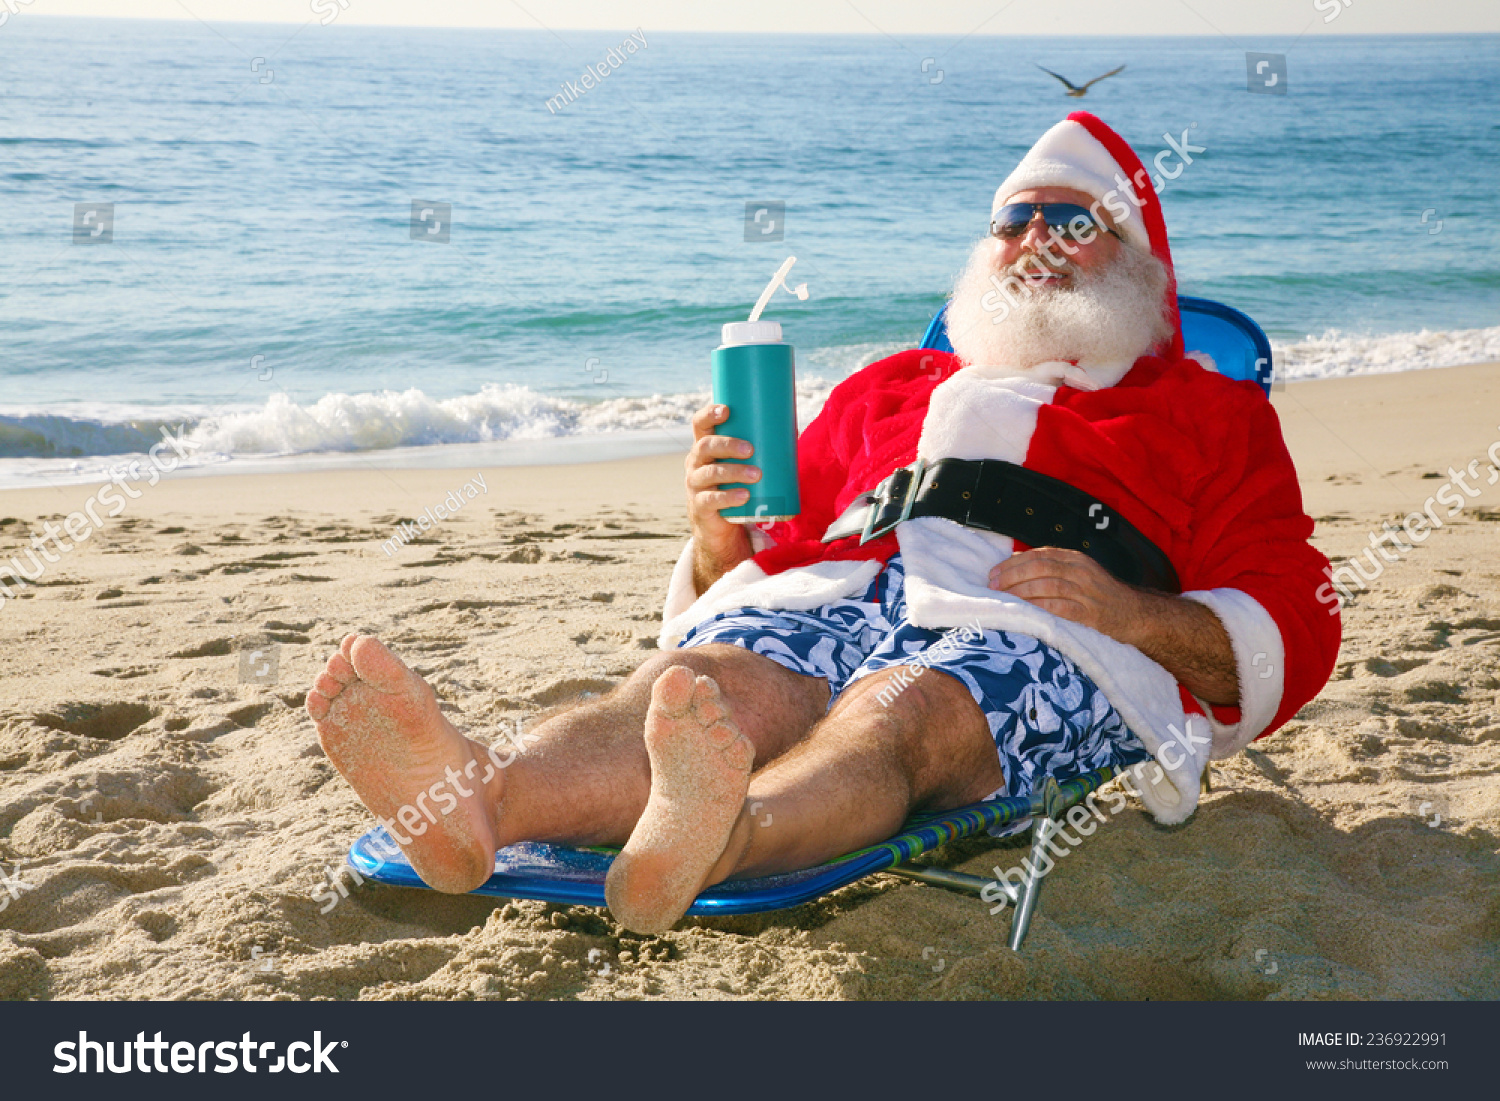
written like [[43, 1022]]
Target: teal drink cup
[[753, 376]]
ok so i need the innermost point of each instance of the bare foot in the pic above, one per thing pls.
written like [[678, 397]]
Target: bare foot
[[434, 790], [700, 771]]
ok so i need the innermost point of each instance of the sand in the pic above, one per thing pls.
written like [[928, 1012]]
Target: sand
[[169, 830]]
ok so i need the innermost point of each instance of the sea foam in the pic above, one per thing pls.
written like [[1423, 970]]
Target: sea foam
[[1336, 354], [79, 442]]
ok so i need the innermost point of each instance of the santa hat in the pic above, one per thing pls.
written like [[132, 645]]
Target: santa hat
[[1082, 153]]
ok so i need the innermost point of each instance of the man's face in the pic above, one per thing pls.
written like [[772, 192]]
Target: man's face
[[1029, 300], [1025, 257]]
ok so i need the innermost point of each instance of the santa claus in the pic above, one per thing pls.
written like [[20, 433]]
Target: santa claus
[[1066, 545], [1068, 362]]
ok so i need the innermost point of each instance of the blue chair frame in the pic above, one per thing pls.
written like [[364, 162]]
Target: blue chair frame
[[1239, 347], [575, 877]]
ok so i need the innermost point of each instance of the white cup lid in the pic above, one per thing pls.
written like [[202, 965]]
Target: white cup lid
[[752, 332]]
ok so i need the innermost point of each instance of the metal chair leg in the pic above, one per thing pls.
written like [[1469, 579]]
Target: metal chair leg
[[1048, 806], [941, 877], [1031, 882]]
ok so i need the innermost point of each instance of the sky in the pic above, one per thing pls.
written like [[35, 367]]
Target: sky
[[943, 17]]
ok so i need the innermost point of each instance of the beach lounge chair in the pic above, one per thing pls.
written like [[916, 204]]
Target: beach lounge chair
[[554, 873]]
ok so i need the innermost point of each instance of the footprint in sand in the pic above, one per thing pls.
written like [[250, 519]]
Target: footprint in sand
[[213, 648], [128, 672], [104, 721]]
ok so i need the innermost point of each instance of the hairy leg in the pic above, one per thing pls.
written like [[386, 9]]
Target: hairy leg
[[851, 783], [583, 778], [861, 772], [586, 776]]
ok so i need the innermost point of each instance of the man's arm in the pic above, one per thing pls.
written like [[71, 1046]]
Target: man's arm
[[1182, 636], [1187, 640], [707, 568]]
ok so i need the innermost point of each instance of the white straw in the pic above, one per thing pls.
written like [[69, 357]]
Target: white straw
[[776, 281]]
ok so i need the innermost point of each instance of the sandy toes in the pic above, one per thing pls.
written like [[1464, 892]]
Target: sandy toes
[[435, 791], [700, 771]]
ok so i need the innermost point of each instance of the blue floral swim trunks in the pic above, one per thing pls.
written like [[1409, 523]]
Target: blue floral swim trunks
[[1044, 714]]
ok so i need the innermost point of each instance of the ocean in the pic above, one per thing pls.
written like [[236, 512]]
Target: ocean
[[322, 245]]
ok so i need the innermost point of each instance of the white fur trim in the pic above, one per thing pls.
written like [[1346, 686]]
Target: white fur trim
[[1069, 156], [983, 413], [1163, 789], [748, 586], [680, 589], [1259, 659]]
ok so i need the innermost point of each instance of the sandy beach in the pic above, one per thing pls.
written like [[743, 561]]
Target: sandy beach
[[169, 824]]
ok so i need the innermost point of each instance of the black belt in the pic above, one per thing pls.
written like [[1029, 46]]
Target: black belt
[[994, 495]]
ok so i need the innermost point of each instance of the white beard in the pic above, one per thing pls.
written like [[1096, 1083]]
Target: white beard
[[1104, 322]]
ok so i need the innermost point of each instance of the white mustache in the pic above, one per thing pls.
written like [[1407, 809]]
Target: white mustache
[[1108, 316], [1035, 264]]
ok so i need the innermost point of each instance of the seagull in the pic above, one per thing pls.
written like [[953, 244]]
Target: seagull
[[1073, 90]]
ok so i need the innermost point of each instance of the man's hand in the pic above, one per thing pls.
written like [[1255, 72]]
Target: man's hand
[[1182, 636], [718, 545], [1072, 586]]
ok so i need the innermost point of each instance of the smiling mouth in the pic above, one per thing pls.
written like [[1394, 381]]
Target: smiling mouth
[[1033, 278]]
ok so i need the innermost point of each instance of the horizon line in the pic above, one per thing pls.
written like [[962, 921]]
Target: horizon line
[[853, 33]]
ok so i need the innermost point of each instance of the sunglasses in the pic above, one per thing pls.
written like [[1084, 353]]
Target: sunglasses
[[1069, 221]]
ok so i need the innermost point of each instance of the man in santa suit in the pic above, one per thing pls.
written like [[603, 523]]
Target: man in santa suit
[[1064, 546]]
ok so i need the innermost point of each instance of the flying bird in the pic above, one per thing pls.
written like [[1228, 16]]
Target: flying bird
[[1073, 90]]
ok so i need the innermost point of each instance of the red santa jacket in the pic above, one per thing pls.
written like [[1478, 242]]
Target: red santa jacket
[[1194, 460]]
